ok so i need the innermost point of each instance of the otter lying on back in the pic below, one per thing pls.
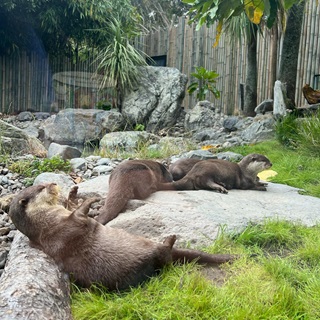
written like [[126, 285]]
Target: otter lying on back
[[91, 252], [223, 175], [132, 179]]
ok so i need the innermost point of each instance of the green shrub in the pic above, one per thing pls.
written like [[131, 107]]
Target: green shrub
[[33, 168], [309, 133], [286, 130]]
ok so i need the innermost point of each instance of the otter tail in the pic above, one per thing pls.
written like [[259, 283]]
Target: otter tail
[[188, 255]]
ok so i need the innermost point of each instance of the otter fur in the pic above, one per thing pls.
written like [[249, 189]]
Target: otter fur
[[90, 251], [132, 179], [223, 175], [181, 167]]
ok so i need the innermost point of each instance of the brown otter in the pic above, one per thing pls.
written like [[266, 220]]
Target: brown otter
[[90, 251], [132, 179], [181, 167], [223, 175]]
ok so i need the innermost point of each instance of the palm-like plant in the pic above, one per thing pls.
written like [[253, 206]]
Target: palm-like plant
[[119, 61], [204, 84]]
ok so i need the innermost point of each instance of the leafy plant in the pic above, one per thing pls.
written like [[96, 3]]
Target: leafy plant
[[204, 84], [104, 105], [119, 60], [33, 168], [139, 127]]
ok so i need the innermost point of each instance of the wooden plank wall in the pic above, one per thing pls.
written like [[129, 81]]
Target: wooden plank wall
[[26, 80]]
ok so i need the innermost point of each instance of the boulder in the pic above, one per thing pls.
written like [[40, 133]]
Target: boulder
[[76, 127], [15, 142], [201, 116], [279, 105], [64, 151], [126, 140], [156, 102], [264, 106], [260, 130]]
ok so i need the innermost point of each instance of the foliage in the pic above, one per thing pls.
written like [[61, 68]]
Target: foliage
[[205, 83], [159, 13], [210, 11], [286, 130], [139, 127], [104, 105], [300, 132], [58, 26], [33, 168], [308, 136], [276, 277], [119, 60]]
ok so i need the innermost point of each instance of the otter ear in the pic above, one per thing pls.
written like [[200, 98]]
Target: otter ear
[[23, 202]]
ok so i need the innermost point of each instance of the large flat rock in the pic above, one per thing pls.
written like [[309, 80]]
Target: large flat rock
[[197, 216]]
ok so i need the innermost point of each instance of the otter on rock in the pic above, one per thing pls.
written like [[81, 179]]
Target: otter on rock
[[132, 179], [90, 251], [223, 175], [181, 167]]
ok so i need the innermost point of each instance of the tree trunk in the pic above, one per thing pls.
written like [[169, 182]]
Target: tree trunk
[[32, 287], [250, 98], [290, 52]]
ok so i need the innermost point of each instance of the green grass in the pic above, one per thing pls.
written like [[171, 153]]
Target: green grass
[[277, 277]]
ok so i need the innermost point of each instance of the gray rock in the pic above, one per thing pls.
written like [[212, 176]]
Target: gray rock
[[64, 151], [61, 179], [259, 130], [25, 116], [126, 140], [102, 169], [230, 156], [75, 127], [196, 217], [199, 154], [230, 123], [111, 120], [209, 134], [41, 115], [78, 164], [279, 105], [264, 106], [96, 187], [200, 117], [156, 103], [15, 142]]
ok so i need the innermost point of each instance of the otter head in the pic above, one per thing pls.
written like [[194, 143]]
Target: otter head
[[254, 163], [34, 196], [29, 202]]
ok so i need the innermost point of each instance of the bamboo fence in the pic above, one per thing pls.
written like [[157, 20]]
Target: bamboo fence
[[30, 82]]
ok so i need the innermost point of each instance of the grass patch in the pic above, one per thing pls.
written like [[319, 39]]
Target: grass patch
[[277, 277]]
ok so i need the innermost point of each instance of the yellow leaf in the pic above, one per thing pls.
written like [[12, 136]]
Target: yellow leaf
[[219, 31], [266, 174], [254, 10]]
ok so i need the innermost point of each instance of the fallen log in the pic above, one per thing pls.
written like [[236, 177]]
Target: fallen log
[[32, 286]]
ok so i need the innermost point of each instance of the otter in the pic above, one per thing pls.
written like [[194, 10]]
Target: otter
[[222, 175], [89, 251], [132, 179], [181, 167]]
